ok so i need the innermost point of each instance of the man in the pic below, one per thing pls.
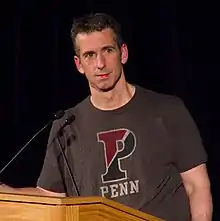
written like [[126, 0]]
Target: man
[[129, 144]]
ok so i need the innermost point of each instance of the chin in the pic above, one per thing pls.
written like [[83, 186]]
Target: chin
[[106, 88]]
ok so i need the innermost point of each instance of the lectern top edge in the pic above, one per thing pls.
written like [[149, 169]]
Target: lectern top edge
[[73, 201]]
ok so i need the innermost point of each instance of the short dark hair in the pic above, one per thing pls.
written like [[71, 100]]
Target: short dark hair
[[95, 22]]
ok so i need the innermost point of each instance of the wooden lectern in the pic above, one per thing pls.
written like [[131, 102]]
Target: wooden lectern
[[16, 207]]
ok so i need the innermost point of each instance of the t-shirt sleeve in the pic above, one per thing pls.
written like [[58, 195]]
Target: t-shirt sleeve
[[187, 146], [51, 176]]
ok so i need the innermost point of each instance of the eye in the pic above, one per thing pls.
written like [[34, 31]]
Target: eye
[[108, 50], [89, 55]]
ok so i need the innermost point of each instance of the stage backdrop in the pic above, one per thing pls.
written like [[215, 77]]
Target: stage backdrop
[[173, 49]]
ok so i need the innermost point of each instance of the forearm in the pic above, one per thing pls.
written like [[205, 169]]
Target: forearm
[[201, 205], [28, 191]]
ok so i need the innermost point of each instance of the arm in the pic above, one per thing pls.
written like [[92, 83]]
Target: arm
[[52, 178], [197, 185], [29, 191], [188, 152]]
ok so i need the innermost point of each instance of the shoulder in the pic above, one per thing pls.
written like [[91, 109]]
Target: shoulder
[[170, 109], [72, 112], [78, 109], [159, 102]]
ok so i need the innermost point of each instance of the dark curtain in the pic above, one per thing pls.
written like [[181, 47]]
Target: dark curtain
[[173, 49]]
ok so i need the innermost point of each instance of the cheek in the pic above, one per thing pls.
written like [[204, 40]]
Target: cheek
[[114, 62], [89, 71], [117, 64]]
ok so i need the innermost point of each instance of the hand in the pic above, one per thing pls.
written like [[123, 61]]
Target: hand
[[2, 187]]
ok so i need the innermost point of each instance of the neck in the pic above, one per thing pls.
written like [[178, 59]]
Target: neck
[[120, 95]]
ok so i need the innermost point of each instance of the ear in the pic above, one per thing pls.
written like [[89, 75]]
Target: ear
[[78, 64], [124, 53]]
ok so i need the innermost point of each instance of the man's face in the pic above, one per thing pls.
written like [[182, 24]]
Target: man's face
[[100, 59]]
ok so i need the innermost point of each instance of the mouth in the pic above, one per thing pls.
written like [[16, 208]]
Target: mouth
[[104, 75]]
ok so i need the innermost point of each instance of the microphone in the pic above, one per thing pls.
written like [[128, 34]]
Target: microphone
[[68, 121], [56, 116]]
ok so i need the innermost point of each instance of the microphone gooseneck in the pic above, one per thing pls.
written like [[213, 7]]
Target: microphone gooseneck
[[56, 116], [68, 121], [59, 114]]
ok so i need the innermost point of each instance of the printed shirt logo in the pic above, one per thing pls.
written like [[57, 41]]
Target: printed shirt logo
[[118, 145]]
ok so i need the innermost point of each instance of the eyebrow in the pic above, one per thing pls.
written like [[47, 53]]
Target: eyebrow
[[103, 48], [109, 46]]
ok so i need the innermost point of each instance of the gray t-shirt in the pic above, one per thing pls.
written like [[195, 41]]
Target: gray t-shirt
[[133, 155]]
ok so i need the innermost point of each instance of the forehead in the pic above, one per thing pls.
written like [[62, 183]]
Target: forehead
[[95, 40]]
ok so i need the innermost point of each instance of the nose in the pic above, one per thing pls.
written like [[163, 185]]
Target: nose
[[100, 61]]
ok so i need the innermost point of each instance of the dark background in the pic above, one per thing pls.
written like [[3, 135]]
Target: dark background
[[173, 49]]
